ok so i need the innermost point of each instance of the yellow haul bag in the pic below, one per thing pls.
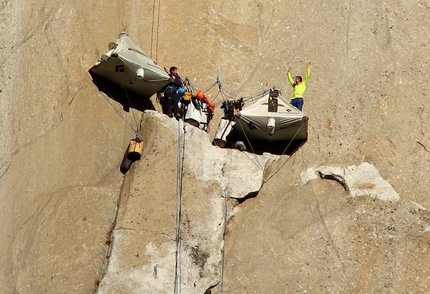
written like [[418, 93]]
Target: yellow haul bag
[[135, 149]]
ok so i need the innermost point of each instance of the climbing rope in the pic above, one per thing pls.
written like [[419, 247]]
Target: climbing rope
[[232, 96], [225, 242], [286, 148], [155, 29], [190, 86], [179, 173], [131, 110], [255, 159], [135, 127], [129, 104], [210, 87], [226, 95]]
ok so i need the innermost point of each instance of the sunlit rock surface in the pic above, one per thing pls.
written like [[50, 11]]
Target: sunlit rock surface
[[73, 223], [144, 240], [362, 180]]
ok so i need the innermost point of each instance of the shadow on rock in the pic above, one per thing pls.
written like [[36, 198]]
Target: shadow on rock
[[261, 146], [128, 99]]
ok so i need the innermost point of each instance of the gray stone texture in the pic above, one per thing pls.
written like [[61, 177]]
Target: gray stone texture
[[72, 223]]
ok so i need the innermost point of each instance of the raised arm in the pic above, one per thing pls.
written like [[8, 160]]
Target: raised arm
[[308, 72], [290, 79]]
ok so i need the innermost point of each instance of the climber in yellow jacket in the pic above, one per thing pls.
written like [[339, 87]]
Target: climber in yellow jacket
[[299, 86]]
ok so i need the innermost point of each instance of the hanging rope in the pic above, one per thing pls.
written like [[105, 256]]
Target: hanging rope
[[129, 104], [226, 95], [131, 109], [189, 85], [232, 96], [225, 242], [255, 159], [210, 87], [286, 148], [191, 88], [135, 127], [154, 28], [179, 173]]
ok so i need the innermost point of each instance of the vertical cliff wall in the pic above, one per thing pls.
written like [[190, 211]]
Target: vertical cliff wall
[[62, 141]]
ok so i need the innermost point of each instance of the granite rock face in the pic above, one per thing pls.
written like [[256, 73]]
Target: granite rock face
[[145, 239], [362, 180], [73, 223]]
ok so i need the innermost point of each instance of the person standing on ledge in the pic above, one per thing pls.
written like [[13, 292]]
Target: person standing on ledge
[[299, 87], [169, 103]]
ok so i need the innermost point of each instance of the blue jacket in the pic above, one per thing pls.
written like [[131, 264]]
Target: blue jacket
[[176, 82]]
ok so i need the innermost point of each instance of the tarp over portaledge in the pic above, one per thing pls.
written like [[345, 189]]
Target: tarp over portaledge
[[126, 65], [284, 123]]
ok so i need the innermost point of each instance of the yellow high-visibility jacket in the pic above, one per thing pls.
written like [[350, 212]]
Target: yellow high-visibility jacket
[[299, 89]]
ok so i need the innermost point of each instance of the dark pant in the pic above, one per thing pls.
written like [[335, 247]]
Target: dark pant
[[170, 105], [298, 103]]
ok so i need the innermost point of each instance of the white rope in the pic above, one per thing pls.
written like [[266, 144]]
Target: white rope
[[179, 159], [134, 126], [271, 176], [225, 242], [129, 102], [255, 159]]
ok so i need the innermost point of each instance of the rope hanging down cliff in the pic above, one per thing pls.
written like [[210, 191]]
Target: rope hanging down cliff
[[154, 28], [135, 125], [178, 239]]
